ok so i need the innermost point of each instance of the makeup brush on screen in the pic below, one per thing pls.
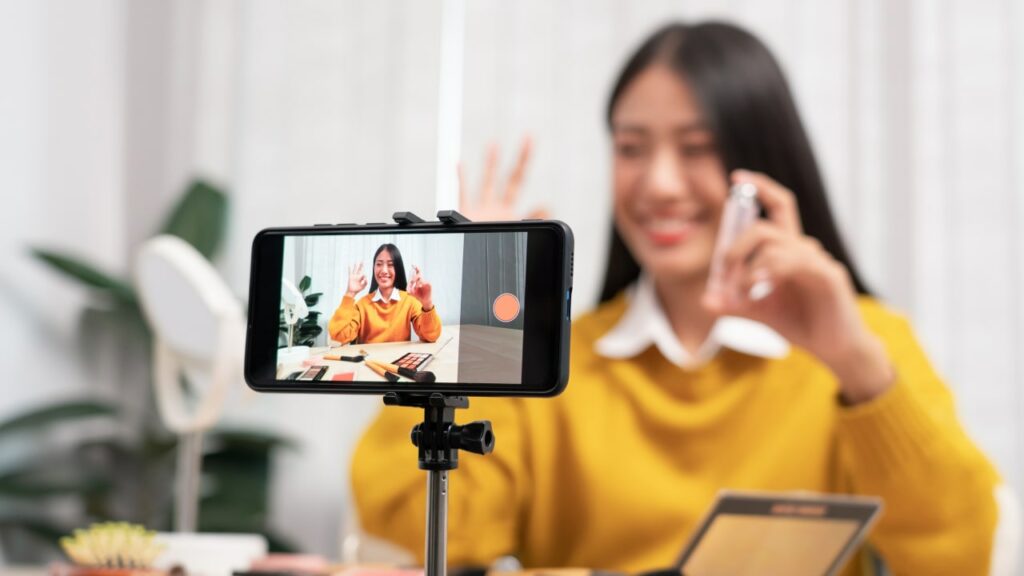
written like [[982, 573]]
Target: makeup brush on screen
[[381, 371], [421, 376]]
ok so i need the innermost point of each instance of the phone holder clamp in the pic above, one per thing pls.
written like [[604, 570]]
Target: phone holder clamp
[[438, 437], [448, 217]]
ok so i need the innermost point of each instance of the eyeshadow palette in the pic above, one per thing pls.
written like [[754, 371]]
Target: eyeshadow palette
[[313, 373], [412, 360]]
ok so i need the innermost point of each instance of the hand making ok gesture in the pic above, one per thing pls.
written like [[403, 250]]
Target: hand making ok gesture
[[356, 280], [420, 289]]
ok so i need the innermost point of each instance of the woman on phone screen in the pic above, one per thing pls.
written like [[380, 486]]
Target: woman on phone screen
[[387, 311], [817, 387]]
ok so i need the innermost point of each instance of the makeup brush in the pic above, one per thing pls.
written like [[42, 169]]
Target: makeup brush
[[338, 357], [341, 358], [381, 371], [421, 376]]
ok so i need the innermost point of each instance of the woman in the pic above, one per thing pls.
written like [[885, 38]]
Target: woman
[[385, 313], [664, 408]]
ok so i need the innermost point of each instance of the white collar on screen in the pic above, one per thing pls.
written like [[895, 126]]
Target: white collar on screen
[[644, 323], [395, 296]]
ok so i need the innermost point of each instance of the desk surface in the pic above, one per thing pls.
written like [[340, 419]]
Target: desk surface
[[444, 364], [463, 353]]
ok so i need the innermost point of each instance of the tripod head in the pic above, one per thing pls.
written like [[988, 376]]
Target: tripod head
[[438, 437]]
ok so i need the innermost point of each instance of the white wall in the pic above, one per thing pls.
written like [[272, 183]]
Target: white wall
[[61, 166], [327, 112]]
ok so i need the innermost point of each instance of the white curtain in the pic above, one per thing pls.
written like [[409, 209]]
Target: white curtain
[[315, 112], [61, 165]]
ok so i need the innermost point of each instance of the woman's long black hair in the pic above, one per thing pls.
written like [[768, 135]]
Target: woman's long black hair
[[396, 258], [747, 104]]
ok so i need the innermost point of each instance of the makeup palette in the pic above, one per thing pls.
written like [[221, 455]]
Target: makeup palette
[[412, 360], [313, 373]]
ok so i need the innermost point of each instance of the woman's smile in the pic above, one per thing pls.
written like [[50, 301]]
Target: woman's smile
[[665, 230]]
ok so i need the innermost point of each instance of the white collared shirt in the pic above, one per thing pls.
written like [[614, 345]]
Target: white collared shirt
[[644, 323], [395, 296]]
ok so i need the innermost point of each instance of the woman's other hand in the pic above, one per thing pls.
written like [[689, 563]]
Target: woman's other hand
[[781, 277], [356, 280], [420, 289], [489, 205]]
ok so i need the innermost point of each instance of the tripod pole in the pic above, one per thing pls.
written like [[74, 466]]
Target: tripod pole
[[439, 440], [437, 523]]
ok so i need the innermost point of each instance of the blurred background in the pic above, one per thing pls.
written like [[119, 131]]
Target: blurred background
[[121, 118]]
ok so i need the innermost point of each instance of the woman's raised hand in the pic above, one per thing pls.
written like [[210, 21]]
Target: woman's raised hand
[[420, 289], [356, 280], [489, 205], [787, 280]]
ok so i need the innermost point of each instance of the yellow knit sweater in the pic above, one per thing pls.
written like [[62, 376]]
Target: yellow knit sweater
[[616, 472]]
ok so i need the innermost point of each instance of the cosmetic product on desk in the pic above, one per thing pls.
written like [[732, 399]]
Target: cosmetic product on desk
[[381, 371], [341, 358], [421, 376], [110, 549]]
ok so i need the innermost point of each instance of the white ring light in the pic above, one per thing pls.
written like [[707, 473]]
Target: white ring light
[[199, 332]]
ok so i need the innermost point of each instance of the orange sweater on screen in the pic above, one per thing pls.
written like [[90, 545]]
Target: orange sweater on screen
[[365, 321]]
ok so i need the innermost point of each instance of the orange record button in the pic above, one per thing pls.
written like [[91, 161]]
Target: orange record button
[[506, 307]]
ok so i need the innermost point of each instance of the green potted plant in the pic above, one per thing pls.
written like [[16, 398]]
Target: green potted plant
[[122, 468], [308, 328]]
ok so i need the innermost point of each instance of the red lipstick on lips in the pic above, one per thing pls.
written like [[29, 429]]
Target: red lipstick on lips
[[670, 238]]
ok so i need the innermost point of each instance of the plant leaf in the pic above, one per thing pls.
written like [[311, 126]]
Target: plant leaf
[[43, 528], [54, 414], [199, 217], [44, 480], [85, 273], [275, 543], [312, 299], [305, 283], [249, 439]]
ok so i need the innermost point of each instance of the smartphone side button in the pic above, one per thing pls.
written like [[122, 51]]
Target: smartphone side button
[[568, 304]]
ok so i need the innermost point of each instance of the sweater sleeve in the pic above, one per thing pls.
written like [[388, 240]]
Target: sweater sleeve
[[908, 447], [344, 325], [486, 495], [426, 324]]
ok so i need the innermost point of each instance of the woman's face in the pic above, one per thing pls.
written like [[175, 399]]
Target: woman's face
[[384, 270], [670, 183]]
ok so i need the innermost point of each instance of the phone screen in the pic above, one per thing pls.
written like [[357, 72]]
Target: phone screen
[[407, 308]]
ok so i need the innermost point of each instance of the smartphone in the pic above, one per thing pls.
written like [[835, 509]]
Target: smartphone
[[484, 307]]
